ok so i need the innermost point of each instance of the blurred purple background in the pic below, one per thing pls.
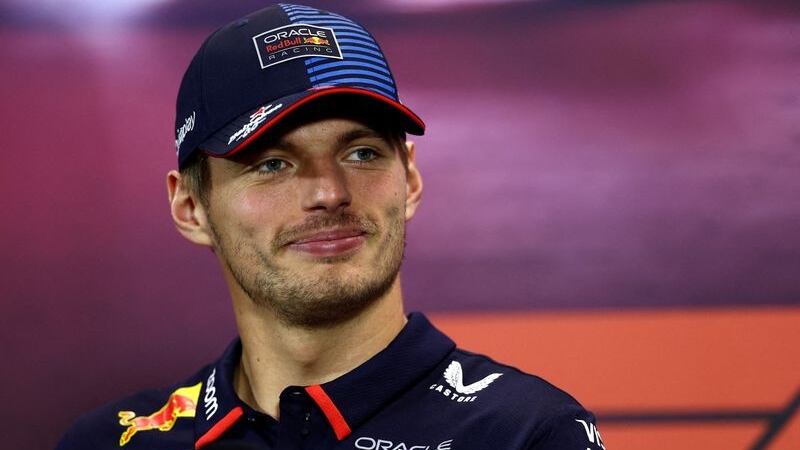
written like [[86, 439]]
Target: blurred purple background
[[635, 154]]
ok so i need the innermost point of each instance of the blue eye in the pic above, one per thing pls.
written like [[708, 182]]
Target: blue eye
[[271, 166], [363, 154]]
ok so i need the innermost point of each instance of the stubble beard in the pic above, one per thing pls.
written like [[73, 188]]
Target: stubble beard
[[304, 299]]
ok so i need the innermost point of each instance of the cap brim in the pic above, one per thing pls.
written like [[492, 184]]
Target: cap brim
[[239, 133]]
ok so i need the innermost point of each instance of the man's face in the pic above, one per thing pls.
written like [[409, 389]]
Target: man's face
[[311, 223]]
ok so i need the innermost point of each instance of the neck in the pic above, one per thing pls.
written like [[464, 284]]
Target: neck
[[276, 355]]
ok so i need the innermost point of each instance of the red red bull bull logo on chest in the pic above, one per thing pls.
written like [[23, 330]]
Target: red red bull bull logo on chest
[[181, 403]]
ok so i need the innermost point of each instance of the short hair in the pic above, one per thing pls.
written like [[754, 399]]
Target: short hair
[[196, 172], [196, 176]]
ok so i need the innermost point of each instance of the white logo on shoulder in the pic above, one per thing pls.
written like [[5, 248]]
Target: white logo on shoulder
[[180, 133], [210, 398], [256, 119], [592, 433], [454, 376]]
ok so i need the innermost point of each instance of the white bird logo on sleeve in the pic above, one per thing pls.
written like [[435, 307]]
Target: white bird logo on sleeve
[[454, 375]]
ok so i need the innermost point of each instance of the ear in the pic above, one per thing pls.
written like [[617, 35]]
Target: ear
[[188, 213], [413, 183]]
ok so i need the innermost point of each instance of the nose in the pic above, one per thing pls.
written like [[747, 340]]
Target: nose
[[325, 188]]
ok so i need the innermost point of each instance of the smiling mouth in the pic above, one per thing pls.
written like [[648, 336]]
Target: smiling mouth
[[330, 243]]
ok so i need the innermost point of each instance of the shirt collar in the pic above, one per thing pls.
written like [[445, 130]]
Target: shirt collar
[[362, 392], [347, 401]]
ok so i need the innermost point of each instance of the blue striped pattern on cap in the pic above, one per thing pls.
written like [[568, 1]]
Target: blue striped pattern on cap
[[363, 64]]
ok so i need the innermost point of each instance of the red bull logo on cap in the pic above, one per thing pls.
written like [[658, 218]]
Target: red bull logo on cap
[[181, 403], [294, 41], [316, 41]]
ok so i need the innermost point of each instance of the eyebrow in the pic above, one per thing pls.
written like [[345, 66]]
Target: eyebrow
[[358, 133], [342, 139]]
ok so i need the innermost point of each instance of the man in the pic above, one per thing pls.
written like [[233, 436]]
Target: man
[[295, 171]]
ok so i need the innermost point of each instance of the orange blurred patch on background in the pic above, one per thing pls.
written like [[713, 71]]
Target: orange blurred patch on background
[[699, 363]]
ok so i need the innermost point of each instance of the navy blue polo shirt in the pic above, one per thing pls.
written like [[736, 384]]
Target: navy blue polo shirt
[[419, 393]]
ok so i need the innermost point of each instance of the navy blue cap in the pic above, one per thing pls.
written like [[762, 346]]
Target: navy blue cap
[[254, 71]]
